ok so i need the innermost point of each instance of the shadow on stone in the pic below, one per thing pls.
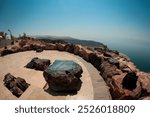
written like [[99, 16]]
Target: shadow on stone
[[129, 81], [62, 93], [39, 50]]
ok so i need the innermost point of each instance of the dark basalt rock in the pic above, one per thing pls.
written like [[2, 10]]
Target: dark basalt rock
[[6, 51], [95, 60], [69, 48], [63, 76], [21, 83], [129, 81], [39, 50], [118, 91], [16, 85], [38, 64]]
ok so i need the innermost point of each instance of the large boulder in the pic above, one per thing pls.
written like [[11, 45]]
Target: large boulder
[[107, 54], [63, 76], [85, 53], [60, 47], [132, 66], [37, 47], [95, 60], [6, 51], [122, 63], [119, 91], [26, 48], [145, 83], [108, 70], [22, 43], [69, 48], [38, 64], [16, 85], [77, 49], [126, 65], [114, 62], [50, 46], [15, 48], [129, 81]]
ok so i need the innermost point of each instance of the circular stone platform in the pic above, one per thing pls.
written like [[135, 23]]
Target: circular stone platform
[[93, 86]]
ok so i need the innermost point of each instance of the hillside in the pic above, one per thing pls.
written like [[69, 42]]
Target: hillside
[[70, 40]]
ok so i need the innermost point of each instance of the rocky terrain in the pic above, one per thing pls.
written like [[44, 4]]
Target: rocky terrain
[[119, 72]]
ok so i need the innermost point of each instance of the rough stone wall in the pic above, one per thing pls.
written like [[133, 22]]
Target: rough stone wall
[[112, 65]]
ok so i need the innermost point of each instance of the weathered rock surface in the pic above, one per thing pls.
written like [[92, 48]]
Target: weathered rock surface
[[122, 85], [111, 64], [60, 47], [144, 79], [63, 76], [107, 54], [15, 49], [39, 50], [6, 51], [119, 92], [114, 62], [132, 66], [69, 48], [95, 60], [26, 48], [108, 70], [50, 46], [85, 53], [129, 81], [77, 49], [38, 64], [16, 85], [37, 46]]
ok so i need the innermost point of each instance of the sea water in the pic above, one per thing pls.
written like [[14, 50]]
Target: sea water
[[137, 50]]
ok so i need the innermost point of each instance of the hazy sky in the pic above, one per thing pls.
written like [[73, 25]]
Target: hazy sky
[[85, 19]]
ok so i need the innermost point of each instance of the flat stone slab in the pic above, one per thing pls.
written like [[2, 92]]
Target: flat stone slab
[[60, 66]]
